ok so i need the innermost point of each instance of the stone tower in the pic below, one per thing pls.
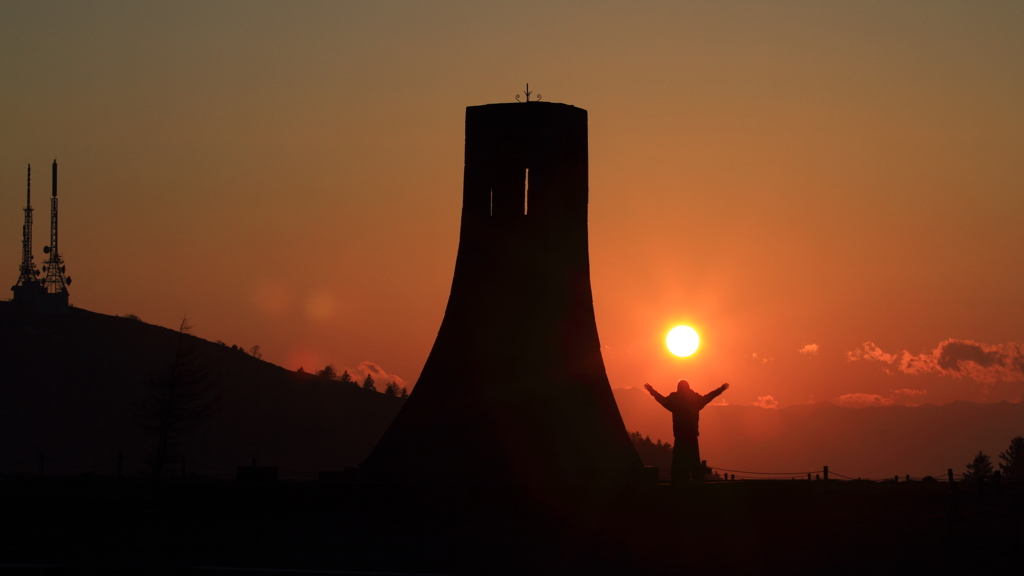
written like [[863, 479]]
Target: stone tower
[[515, 388]]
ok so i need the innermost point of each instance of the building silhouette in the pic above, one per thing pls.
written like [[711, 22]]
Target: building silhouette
[[50, 293], [515, 388]]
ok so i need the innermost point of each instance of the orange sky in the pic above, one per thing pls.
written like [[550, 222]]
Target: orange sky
[[817, 173]]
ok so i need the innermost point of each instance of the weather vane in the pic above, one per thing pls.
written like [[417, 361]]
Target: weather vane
[[527, 93]]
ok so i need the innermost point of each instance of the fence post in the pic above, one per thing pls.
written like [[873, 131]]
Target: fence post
[[808, 475], [897, 478], [908, 477], [953, 500], [120, 462], [825, 474]]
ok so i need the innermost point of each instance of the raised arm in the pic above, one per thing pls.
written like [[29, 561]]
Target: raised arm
[[715, 393], [657, 396]]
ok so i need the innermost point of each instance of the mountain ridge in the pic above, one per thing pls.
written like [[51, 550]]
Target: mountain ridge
[[71, 386]]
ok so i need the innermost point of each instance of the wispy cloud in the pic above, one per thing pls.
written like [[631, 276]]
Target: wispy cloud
[[870, 352], [910, 392], [861, 400], [766, 402], [760, 359], [956, 358], [809, 349], [381, 377]]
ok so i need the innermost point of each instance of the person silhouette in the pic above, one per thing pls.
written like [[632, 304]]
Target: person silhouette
[[685, 406]]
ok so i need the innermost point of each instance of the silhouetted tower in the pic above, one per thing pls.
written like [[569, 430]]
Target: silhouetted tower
[[28, 288], [515, 388], [55, 283]]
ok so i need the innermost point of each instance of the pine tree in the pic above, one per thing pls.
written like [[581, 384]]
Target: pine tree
[[1013, 469], [346, 378], [368, 383], [328, 372], [980, 468], [391, 389], [404, 394]]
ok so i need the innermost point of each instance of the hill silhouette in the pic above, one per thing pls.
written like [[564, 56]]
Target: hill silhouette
[[71, 386]]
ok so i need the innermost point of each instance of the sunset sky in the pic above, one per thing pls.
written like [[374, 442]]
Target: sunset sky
[[830, 193]]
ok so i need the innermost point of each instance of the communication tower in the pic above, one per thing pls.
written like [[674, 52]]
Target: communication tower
[[56, 283], [28, 288]]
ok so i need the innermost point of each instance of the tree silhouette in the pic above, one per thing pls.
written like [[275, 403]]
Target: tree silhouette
[[328, 372], [1012, 465], [981, 467], [368, 383], [391, 389], [255, 351], [404, 394], [178, 400], [346, 378], [652, 453]]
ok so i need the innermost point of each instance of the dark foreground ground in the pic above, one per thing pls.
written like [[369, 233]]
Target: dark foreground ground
[[105, 526]]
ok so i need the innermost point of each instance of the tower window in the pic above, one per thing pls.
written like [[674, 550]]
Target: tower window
[[526, 193]]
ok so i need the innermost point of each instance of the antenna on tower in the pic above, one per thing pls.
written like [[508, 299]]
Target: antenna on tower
[[56, 283], [28, 288]]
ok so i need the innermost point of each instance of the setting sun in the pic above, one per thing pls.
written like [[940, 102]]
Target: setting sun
[[682, 341]]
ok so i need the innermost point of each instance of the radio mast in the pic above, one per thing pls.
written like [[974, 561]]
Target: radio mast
[[28, 286], [55, 283]]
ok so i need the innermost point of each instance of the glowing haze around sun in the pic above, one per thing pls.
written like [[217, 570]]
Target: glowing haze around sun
[[682, 341]]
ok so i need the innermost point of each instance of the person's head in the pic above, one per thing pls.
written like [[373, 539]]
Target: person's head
[[682, 385]]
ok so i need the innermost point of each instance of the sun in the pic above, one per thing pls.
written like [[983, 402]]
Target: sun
[[682, 340]]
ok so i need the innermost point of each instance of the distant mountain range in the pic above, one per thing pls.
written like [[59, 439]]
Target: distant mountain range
[[878, 442], [71, 386]]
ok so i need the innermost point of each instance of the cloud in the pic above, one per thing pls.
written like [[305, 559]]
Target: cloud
[[759, 358], [861, 400], [870, 352], [809, 349], [955, 358], [910, 392], [766, 402], [379, 375]]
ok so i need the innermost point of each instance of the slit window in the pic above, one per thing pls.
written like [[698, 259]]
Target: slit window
[[526, 193]]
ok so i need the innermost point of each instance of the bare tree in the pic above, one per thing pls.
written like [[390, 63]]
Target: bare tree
[[178, 400]]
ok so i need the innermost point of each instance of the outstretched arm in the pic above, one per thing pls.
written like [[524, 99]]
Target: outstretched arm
[[657, 396], [715, 393]]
